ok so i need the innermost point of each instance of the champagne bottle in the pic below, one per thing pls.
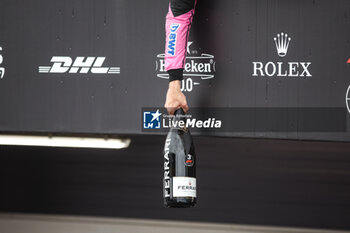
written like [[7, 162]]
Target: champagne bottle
[[179, 182]]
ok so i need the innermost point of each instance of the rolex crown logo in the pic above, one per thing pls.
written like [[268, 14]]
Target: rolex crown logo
[[282, 43]]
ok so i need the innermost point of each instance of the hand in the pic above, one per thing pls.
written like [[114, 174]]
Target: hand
[[175, 99]]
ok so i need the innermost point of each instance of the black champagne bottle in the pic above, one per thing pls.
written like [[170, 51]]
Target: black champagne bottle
[[179, 182]]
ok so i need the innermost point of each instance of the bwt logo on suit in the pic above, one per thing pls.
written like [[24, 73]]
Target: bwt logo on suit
[[2, 69]]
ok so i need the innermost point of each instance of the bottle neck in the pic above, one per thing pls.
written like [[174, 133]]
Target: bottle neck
[[179, 120]]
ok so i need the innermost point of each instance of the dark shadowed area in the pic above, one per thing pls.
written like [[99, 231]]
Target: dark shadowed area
[[241, 181]]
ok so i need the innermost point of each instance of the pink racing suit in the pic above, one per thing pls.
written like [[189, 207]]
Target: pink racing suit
[[178, 24]]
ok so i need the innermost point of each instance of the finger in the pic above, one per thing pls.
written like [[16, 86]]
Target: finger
[[171, 110], [185, 108]]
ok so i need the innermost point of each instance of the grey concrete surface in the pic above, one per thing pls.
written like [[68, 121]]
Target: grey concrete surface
[[19, 223]]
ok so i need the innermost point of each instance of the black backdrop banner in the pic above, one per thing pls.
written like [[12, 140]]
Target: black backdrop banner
[[84, 66]]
